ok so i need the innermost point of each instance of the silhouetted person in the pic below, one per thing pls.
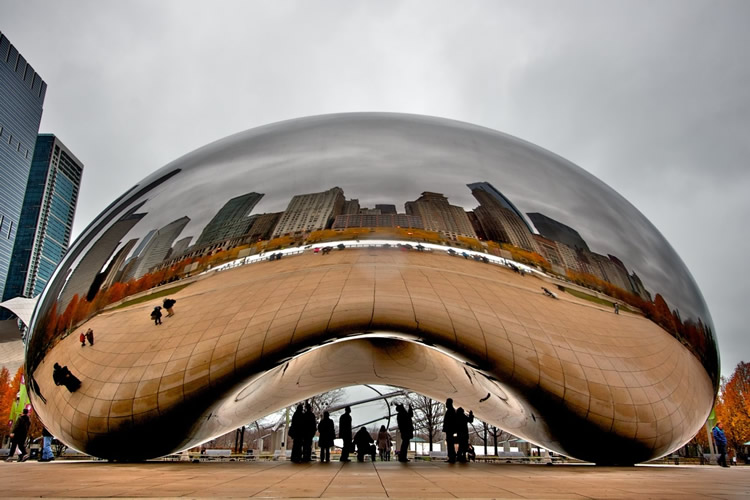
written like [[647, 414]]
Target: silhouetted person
[[363, 441], [471, 455], [310, 426], [384, 444], [462, 432], [62, 376], [345, 433], [90, 336], [721, 444], [617, 308], [168, 305], [406, 428], [449, 427], [156, 315], [297, 433], [327, 433], [18, 436]]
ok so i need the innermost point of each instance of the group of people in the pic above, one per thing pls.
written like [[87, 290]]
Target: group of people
[[63, 376], [89, 335], [304, 426], [156, 313], [456, 427]]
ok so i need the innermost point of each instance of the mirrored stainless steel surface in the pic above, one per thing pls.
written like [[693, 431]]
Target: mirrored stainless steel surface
[[335, 250]]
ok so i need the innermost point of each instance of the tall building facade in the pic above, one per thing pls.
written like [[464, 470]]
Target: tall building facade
[[22, 93], [159, 246], [310, 212], [554, 230], [46, 217], [500, 223], [233, 219], [490, 192], [440, 216]]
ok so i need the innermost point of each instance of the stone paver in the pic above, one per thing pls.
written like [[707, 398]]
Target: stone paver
[[365, 480]]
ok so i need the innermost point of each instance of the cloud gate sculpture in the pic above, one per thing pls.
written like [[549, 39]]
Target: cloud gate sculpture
[[329, 251]]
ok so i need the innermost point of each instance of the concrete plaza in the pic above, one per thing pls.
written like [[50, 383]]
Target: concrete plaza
[[368, 480]]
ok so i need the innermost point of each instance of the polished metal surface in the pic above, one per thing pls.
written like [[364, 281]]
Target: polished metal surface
[[328, 251]]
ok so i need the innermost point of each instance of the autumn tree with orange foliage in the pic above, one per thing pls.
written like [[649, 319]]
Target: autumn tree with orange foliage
[[733, 408], [7, 397]]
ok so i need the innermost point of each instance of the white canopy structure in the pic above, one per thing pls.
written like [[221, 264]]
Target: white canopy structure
[[21, 307]]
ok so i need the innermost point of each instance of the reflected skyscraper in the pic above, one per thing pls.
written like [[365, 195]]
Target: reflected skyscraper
[[310, 212], [557, 231], [232, 220], [159, 246], [440, 216], [500, 219], [87, 274], [22, 93], [46, 219]]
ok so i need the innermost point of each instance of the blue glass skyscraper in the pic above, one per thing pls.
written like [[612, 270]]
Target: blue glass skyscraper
[[22, 94], [46, 218]]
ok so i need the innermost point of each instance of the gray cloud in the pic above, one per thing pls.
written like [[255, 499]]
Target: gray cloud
[[651, 97]]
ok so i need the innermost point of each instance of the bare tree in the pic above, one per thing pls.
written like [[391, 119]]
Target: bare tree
[[322, 402], [428, 416]]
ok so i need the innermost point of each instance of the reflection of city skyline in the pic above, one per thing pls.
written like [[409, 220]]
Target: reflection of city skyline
[[495, 219]]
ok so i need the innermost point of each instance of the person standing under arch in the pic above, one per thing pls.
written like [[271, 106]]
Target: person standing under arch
[[345, 433], [449, 428], [406, 429], [326, 433]]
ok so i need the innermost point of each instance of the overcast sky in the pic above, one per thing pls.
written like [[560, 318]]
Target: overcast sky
[[651, 97]]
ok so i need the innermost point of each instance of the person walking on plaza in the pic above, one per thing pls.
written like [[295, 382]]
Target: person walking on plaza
[[406, 429], [449, 428], [462, 432], [296, 432], [617, 308], [721, 444], [47, 455], [82, 338], [18, 436], [156, 315], [90, 336], [168, 305], [363, 441], [327, 433], [310, 427], [345, 433], [384, 444]]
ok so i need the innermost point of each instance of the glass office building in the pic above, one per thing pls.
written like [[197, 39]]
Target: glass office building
[[22, 93], [46, 218]]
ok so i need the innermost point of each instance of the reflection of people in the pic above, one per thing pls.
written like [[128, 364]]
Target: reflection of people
[[156, 315], [62, 376], [47, 455], [462, 430], [310, 426], [90, 336], [18, 436], [327, 434], [345, 433], [449, 428], [721, 444], [296, 432], [168, 305], [384, 444], [363, 441], [406, 428]]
